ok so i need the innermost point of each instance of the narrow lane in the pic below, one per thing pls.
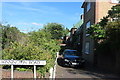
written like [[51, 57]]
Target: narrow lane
[[66, 72], [83, 73]]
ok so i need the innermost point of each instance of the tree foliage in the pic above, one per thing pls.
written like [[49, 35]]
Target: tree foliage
[[101, 30], [11, 34], [113, 33], [107, 32], [36, 45], [115, 12], [56, 30], [96, 32]]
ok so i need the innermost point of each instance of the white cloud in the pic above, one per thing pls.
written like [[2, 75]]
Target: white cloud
[[37, 24], [31, 7], [12, 25]]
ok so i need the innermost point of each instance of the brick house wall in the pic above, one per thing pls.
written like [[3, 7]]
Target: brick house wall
[[97, 11], [102, 9]]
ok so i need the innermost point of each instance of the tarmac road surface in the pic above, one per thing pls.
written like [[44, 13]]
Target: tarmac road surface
[[86, 73]]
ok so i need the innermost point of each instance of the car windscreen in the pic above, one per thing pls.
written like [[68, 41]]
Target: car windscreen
[[71, 53]]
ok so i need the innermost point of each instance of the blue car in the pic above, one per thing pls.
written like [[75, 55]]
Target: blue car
[[72, 58]]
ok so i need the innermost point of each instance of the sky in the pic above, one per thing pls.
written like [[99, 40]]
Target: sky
[[30, 16]]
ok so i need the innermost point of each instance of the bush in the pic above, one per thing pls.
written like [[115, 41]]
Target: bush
[[36, 45]]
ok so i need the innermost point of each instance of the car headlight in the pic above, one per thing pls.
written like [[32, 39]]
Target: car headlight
[[66, 60]]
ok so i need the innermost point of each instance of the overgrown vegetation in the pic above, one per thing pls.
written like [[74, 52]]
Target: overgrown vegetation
[[106, 33], [37, 45]]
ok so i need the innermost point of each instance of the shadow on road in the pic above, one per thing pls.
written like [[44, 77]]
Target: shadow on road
[[88, 70], [95, 73]]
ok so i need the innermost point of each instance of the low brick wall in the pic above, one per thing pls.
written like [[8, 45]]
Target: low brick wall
[[20, 74]]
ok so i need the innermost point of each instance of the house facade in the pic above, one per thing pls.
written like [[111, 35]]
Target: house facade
[[93, 13], [77, 38], [74, 41]]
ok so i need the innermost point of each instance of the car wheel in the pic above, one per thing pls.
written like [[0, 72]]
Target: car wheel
[[63, 63]]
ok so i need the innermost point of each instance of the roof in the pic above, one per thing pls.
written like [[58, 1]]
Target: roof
[[83, 5], [78, 24], [68, 34], [79, 30]]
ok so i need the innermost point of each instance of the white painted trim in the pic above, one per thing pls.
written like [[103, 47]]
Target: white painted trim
[[53, 70], [35, 72], [12, 70], [22, 62]]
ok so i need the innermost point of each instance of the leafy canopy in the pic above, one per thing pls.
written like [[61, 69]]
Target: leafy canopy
[[56, 30], [36, 45], [100, 30]]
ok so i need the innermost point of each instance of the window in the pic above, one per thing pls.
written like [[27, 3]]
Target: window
[[88, 6], [115, 1], [87, 26], [87, 47]]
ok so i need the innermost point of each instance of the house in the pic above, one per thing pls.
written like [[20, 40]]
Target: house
[[65, 38], [70, 39], [75, 39], [93, 13]]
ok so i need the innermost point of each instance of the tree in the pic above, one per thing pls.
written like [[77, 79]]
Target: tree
[[113, 33], [99, 31], [10, 34], [103, 21], [36, 45], [1, 35], [114, 13], [106, 32], [96, 32], [66, 31], [56, 30]]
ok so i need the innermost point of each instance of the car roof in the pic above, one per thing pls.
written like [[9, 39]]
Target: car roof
[[69, 50]]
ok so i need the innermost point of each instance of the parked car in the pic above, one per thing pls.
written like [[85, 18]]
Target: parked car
[[72, 58]]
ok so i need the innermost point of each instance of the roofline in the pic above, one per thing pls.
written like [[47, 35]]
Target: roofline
[[72, 28], [83, 4], [85, 1]]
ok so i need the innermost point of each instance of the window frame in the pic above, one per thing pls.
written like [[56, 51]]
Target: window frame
[[87, 49], [88, 23], [88, 6]]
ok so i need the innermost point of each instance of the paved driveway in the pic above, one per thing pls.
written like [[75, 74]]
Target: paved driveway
[[90, 73]]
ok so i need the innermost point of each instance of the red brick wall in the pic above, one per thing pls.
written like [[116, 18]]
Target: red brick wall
[[19, 74]]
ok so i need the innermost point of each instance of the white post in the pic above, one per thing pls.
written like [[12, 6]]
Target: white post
[[54, 71], [0, 72], [51, 73], [34, 72], [12, 72]]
